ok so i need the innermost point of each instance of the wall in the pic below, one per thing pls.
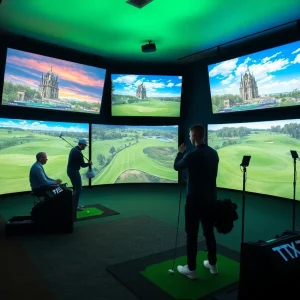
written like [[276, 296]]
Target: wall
[[29, 45]]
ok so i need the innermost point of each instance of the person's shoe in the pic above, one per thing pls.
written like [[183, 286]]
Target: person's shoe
[[213, 268], [79, 208], [184, 270]]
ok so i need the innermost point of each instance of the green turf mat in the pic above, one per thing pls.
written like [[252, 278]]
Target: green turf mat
[[148, 277], [94, 211], [181, 287], [89, 212]]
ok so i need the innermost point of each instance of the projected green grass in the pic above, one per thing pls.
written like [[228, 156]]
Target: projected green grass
[[271, 166], [18, 149], [152, 107], [126, 154]]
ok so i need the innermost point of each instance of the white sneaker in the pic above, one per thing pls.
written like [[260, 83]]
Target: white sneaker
[[184, 270], [213, 269]]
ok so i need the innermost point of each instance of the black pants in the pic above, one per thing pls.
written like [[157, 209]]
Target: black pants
[[194, 215]]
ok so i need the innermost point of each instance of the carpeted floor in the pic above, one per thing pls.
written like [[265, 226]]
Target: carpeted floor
[[19, 276], [74, 265]]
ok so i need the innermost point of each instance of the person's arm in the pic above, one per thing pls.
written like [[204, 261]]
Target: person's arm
[[43, 179], [181, 161], [82, 163]]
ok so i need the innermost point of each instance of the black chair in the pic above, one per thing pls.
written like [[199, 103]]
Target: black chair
[[38, 195]]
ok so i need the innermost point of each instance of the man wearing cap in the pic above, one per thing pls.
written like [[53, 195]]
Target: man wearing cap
[[74, 164]]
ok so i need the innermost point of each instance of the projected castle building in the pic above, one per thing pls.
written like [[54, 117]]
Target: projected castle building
[[141, 92], [48, 87], [248, 87]]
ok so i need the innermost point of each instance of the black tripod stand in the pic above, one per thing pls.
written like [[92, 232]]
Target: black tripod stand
[[244, 165], [294, 156]]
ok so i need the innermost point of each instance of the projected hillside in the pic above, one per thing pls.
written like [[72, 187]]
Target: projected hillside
[[128, 154], [21, 140], [266, 79], [269, 143], [146, 95], [38, 81]]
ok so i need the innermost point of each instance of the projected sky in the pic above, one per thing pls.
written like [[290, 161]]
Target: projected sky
[[276, 70], [156, 86], [77, 82], [43, 125]]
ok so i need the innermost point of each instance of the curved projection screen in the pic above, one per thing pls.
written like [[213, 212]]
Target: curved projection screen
[[134, 154], [266, 79], [268, 143], [146, 95], [21, 140], [37, 81]]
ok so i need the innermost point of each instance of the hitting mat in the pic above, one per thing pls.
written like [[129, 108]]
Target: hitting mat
[[94, 211], [148, 277]]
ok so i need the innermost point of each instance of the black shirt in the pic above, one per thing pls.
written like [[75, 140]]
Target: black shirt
[[202, 165], [76, 159]]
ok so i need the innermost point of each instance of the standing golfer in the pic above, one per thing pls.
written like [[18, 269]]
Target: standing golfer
[[202, 165], [74, 164]]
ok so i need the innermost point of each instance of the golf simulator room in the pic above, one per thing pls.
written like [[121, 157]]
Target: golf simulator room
[[108, 112]]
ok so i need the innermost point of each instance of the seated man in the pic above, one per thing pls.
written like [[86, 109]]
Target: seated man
[[39, 181]]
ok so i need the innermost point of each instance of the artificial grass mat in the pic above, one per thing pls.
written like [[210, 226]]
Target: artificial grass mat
[[148, 277], [94, 211], [181, 287]]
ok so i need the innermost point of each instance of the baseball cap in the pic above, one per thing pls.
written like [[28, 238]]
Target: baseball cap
[[82, 141]]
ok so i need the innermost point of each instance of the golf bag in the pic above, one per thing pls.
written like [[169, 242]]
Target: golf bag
[[226, 215], [56, 210]]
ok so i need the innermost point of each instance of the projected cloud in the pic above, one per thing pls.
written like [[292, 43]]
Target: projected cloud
[[146, 95], [77, 84], [273, 73]]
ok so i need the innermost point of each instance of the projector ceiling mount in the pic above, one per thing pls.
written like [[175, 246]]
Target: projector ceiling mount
[[139, 3], [151, 47]]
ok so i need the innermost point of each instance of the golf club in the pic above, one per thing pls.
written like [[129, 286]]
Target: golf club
[[171, 271], [71, 145], [90, 173]]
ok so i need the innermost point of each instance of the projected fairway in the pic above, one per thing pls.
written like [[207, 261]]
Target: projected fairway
[[21, 140], [146, 95], [269, 143], [128, 154]]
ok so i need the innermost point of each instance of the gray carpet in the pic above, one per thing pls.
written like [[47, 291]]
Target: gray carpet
[[74, 265]]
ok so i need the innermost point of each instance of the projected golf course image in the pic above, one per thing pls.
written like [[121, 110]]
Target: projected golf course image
[[146, 95], [269, 143], [21, 140], [134, 154]]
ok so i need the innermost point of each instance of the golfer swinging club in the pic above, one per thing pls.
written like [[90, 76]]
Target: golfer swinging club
[[74, 164], [202, 165]]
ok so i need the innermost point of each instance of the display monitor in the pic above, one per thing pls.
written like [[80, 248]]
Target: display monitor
[[38, 81], [270, 170], [146, 95], [134, 154], [266, 79], [21, 140]]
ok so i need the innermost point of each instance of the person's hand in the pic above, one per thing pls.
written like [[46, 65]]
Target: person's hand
[[90, 163], [58, 181], [182, 148]]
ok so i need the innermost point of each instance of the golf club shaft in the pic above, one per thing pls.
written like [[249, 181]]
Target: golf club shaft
[[73, 146], [178, 220]]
